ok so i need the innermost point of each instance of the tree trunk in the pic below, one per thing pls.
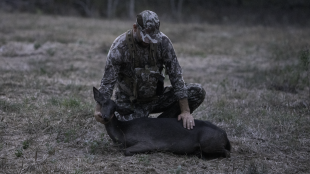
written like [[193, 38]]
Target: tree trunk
[[179, 10], [176, 9], [115, 3], [111, 7], [172, 6], [131, 9], [85, 7]]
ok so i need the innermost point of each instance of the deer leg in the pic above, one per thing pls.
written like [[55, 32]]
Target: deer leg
[[138, 148], [214, 148], [215, 153]]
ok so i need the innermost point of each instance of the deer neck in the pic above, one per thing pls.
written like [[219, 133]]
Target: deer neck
[[114, 130]]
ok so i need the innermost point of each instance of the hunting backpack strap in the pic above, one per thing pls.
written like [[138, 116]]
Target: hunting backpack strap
[[152, 54], [135, 62]]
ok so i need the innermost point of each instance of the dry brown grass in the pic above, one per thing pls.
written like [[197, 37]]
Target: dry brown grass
[[49, 65]]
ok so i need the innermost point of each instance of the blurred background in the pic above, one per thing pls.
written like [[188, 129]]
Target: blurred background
[[265, 12]]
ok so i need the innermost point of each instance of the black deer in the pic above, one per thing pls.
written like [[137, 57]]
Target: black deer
[[162, 134]]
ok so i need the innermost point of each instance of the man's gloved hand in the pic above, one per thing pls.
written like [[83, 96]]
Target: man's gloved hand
[[188, 120], [98, 115]]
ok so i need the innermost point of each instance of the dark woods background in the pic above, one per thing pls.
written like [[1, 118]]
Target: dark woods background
[[265, 12]]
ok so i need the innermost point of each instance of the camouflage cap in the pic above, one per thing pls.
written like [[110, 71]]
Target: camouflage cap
[[148, 24]]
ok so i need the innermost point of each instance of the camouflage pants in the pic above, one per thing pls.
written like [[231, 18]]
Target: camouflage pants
[[167, 103]]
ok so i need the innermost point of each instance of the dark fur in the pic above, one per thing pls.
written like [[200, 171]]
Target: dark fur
[[162, 134]]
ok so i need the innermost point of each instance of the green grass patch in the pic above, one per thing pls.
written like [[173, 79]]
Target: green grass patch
[[50, 149], [73, 88], [223, 112], [94, 146], [28, 39], [19, 152], [54, 101], [8, 106], [37, 45], [51, 52], [256, 168], [71, 103], [70, 135], [26, 144]]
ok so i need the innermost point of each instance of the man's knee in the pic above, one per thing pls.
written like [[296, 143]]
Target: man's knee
[[196, 92], [196, 95]]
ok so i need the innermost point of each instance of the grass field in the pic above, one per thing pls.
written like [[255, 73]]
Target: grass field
[[256, 79]]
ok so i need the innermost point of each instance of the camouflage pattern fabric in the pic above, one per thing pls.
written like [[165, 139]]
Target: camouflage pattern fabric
[[119, 67], [148, 24], [168, 103]]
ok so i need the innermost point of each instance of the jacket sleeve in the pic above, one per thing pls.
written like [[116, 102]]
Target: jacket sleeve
[[173, 68], [111, 72]]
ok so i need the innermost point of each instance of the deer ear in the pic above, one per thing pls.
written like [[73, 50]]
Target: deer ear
[[97, 95]]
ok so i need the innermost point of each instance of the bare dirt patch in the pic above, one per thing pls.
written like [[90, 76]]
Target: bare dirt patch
[[49, 65]]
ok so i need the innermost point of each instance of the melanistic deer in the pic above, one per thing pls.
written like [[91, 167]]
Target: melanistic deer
[[162, 134]]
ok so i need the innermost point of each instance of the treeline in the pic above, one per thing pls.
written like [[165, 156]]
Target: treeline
[[174, 10]]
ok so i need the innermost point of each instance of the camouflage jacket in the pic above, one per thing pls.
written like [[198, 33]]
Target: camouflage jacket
[[119, 65]]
